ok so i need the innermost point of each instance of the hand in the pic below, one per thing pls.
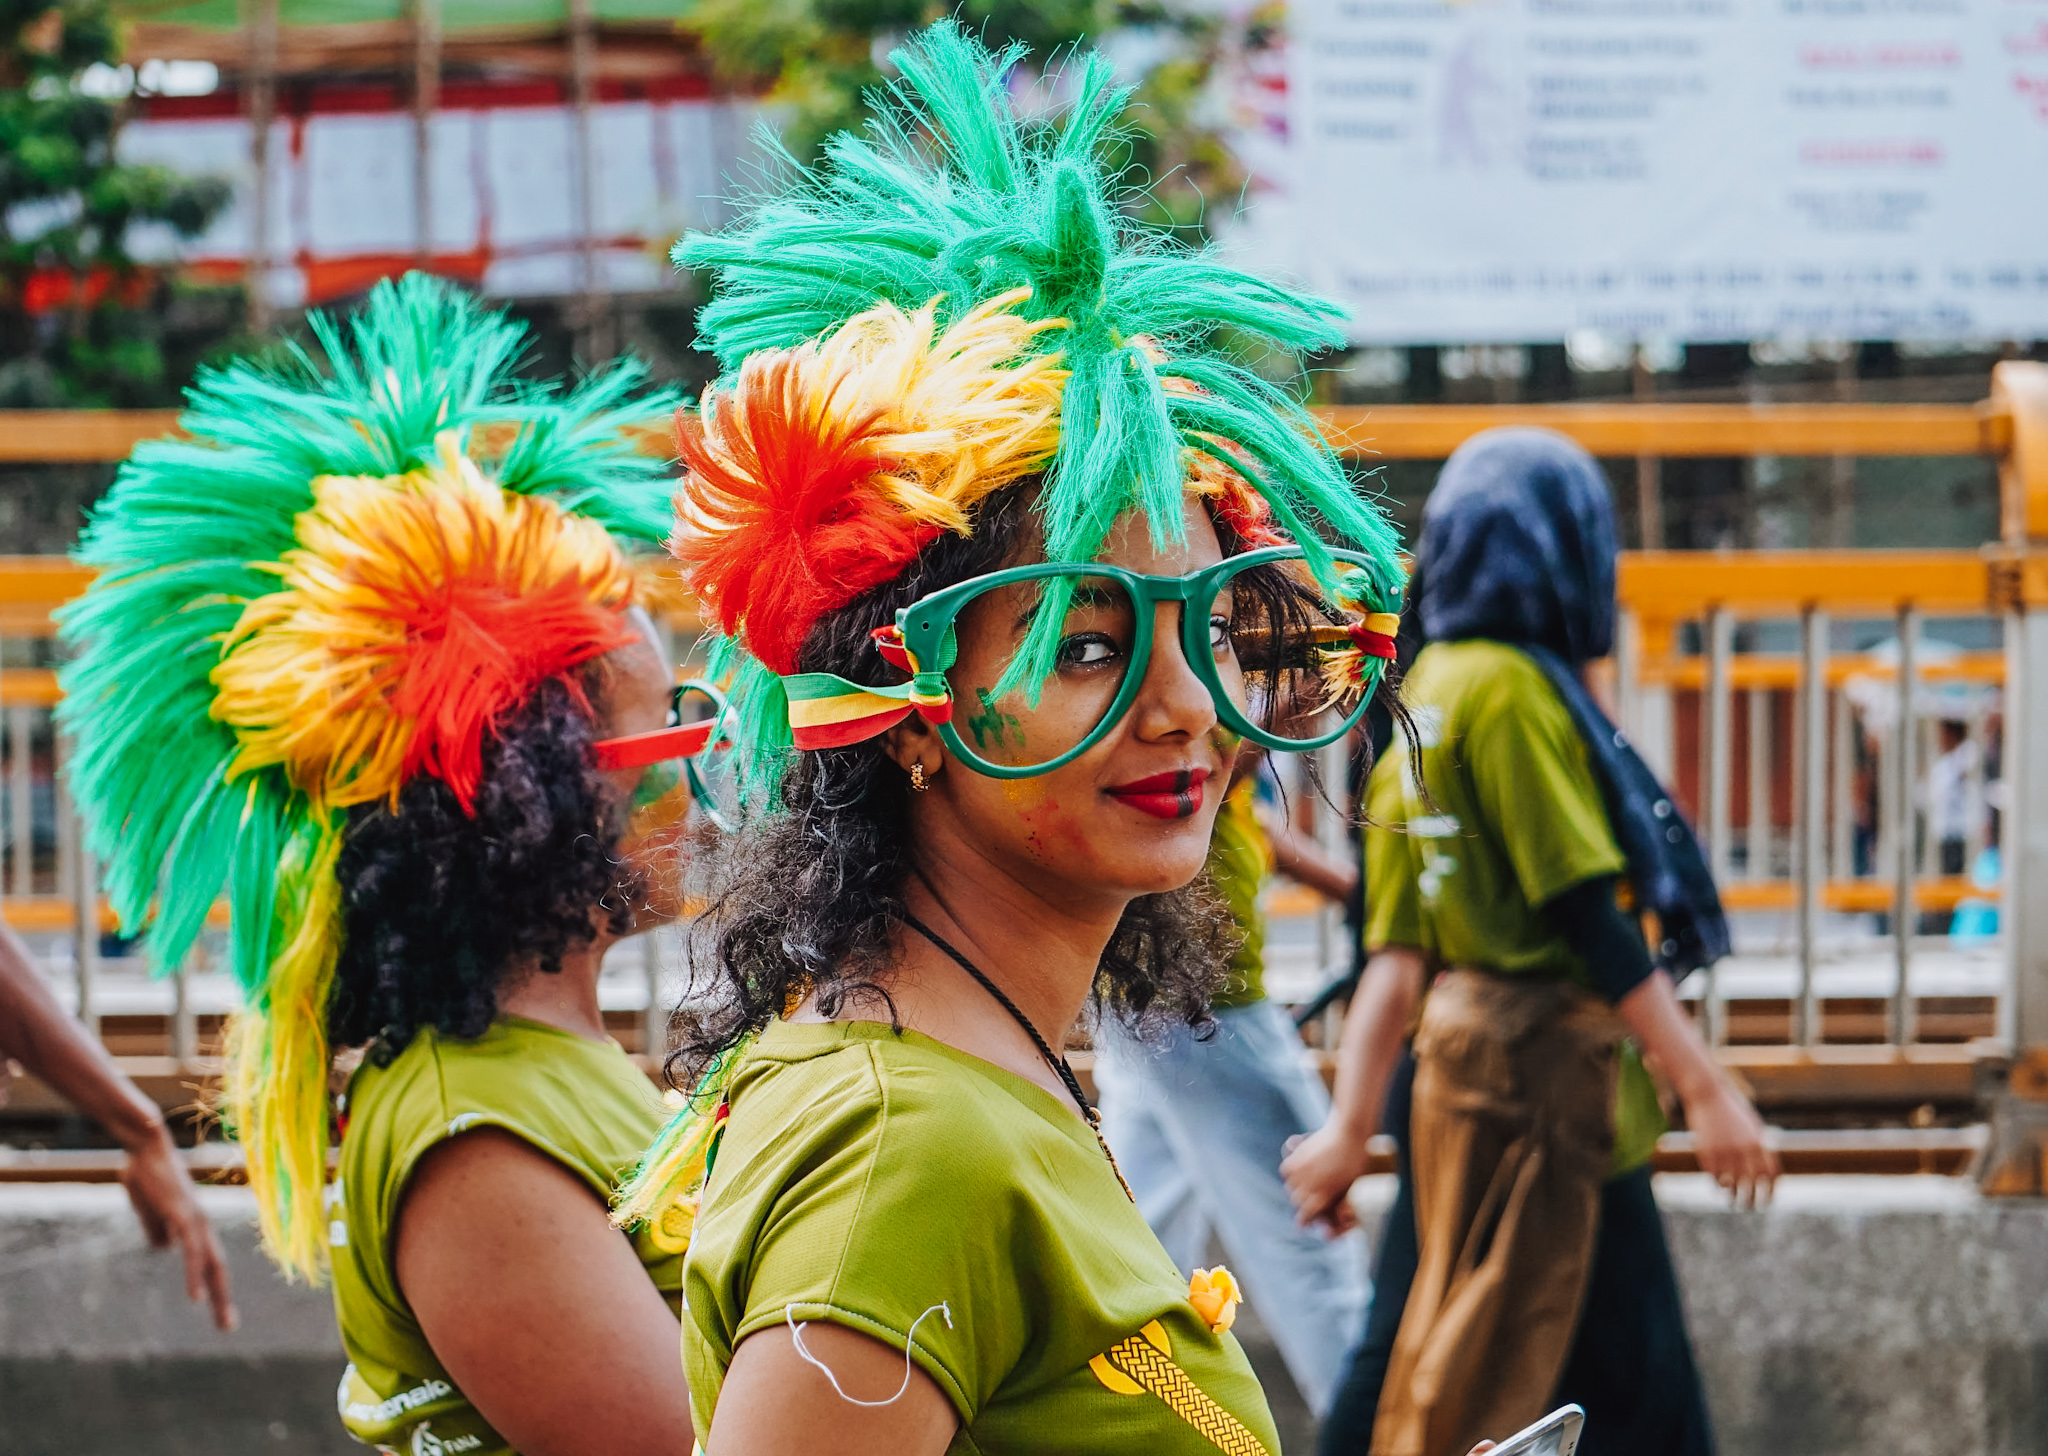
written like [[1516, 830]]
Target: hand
[[1481, 1448], [161, 1192], [1728, 1140], [1319, 1170]]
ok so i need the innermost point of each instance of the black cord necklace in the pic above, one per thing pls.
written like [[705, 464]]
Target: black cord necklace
[[1056, 1062]]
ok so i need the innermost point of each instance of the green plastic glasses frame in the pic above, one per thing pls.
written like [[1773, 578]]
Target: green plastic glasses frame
[[927, 629]]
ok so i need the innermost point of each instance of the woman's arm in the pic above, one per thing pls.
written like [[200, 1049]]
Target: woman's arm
[[45, 1038], [539, 1308], [1727, 1134], [1298, 856], [776, 1403], [1320, 1169]]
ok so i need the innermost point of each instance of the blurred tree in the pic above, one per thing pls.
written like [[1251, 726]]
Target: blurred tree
[[81, 324], [819, 58]]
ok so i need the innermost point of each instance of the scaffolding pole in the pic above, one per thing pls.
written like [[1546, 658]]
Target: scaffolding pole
[[426, 97], [261, 100]]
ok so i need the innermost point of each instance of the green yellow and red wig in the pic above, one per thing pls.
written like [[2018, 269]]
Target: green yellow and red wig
[[955, 301], [315, 596]]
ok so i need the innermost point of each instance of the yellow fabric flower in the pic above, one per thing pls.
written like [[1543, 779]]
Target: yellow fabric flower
[[1213, 1293]]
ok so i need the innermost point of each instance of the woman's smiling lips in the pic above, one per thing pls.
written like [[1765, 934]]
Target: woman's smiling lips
[[1174, 795]]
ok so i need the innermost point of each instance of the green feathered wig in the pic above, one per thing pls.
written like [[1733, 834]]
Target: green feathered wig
[[315, 596], [949, 304], [952, 302]]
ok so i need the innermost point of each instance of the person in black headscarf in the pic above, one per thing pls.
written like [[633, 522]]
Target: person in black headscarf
[[1524, 1263]]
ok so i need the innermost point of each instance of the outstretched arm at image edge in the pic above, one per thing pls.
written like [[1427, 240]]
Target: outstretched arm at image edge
[[539, 1308], [39, 1033], [1320, 1169], [1306, 862]]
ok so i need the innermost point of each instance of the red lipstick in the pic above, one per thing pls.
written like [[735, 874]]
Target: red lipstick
[[1174, 795]]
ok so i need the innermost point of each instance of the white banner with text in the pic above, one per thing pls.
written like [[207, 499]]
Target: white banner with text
[[1518, 170]]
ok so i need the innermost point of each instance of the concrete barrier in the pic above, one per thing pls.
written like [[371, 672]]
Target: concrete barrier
[[1905, 1316], [100, 1353]]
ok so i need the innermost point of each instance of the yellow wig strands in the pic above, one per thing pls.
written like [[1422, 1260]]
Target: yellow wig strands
[[970, 410], [277, 1058], [663, 1190]]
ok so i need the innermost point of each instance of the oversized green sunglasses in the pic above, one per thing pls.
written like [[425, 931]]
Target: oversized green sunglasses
[[1058, 652]]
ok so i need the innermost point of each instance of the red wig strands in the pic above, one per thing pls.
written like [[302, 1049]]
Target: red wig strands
[[415, 613], [802, 526]]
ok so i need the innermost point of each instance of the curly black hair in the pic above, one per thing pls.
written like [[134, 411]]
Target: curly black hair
[[806, 901], [440, 906]]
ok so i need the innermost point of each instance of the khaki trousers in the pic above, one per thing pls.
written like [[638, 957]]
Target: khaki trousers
[[1511, 1137]]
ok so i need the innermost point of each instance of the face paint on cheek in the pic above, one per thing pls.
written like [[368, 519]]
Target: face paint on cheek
[[992, 722], [657, 783], [1047, 827], [1023, 793]]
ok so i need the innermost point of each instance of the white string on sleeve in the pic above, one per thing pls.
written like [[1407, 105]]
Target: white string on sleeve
[[796, 1334]]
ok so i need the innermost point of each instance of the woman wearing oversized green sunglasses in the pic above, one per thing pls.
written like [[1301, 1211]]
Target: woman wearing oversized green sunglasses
[[943, 897], [1001, 587]]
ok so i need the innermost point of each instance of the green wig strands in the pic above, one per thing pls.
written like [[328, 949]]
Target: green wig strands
[[191, 532], [952, 195]]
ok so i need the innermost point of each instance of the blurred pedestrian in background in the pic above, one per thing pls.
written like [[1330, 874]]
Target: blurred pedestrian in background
[[1955, 797], [1525, 1264], [1199, 1123], [47, 1040]]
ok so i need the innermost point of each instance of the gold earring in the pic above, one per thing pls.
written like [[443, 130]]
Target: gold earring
[[917, 781]]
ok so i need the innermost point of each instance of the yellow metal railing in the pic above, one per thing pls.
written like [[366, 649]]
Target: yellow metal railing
[[1611, 429], [1661, 593]]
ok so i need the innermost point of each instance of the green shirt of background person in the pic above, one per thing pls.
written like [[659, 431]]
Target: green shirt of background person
[[1512, 819], [1240, 857], [1253, 840], [1500, 871], [581, 1104]]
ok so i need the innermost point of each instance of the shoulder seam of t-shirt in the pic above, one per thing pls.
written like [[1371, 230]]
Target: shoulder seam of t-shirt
[[867, 1181], [399, 1171]]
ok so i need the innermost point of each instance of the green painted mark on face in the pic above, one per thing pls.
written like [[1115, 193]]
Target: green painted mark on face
[[656, 783], [992, 722]]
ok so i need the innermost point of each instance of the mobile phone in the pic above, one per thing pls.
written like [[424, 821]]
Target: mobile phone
[[1557, 1434]]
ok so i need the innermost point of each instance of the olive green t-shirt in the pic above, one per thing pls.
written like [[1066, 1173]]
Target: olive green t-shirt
[[1513, 819], [583, 1103], [878, 1180], [1239, 858]]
